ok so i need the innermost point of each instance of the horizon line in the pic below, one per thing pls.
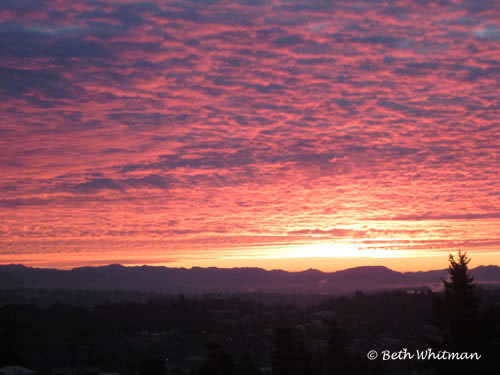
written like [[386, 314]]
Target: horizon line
[[227, 268]]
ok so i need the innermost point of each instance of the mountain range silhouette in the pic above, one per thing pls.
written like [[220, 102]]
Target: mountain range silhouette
[[208, 280]]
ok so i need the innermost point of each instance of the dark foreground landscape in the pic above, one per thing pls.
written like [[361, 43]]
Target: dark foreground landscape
[[79, 330]]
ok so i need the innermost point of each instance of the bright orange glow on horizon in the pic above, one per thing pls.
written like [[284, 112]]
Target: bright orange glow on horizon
[[322, 257]]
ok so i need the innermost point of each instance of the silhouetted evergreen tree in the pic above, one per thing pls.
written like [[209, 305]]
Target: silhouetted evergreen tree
[[460, 324], [456, 312]]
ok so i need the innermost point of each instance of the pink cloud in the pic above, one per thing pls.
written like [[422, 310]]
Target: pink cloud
[[170, 120]]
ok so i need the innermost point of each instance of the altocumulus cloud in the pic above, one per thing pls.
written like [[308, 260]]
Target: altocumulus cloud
[[377, 119]]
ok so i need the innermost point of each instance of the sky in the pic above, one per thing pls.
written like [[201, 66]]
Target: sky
[[280, 134]]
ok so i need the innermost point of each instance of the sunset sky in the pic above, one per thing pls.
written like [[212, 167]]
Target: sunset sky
[[279, 134]]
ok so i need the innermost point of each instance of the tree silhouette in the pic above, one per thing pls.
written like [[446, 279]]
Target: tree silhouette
[[461, 326], [456, 312]]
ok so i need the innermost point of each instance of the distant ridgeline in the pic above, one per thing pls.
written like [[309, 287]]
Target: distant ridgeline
[[208, 280]]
